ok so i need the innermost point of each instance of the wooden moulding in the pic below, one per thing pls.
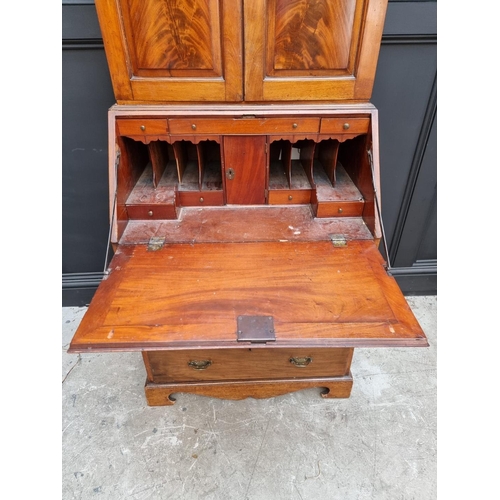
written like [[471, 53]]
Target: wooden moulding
[[161, 394]]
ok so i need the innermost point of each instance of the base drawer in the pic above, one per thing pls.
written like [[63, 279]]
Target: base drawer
[[246, 364]]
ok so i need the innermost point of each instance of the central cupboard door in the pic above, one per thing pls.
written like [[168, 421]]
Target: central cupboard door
[[245, 159]]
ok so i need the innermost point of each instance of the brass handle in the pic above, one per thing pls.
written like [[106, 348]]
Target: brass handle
[[301, 362], [346, 126], [193, 126], [294, 125], [143, 127], [200, 365]]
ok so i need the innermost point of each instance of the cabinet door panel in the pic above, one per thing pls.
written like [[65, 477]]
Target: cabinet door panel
[[311, 49], [173, 50], [245, 169], [173, 38], [305, 36]]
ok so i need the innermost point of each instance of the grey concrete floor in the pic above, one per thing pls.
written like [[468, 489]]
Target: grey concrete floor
[[378, 444]]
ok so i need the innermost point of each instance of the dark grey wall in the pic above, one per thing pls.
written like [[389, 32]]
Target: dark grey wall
[[404, 93]]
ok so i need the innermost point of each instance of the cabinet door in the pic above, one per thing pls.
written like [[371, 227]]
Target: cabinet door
[[173, 50], [245, 169], [311, 49]]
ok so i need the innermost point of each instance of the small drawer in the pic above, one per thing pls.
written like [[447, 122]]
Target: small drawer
[[247, 364], [290, 196], [200, 198], [340, 208], [151, 212], [235, 126], [346, 125], [135, 126]]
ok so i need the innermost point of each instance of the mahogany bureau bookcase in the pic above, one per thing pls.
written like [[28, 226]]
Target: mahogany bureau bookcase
[[244, 197]]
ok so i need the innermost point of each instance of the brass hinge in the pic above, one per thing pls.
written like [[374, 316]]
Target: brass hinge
[[156, 243], [338, 240]]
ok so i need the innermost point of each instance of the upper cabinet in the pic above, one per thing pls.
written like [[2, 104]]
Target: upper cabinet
[[232, 51], [173, 50]]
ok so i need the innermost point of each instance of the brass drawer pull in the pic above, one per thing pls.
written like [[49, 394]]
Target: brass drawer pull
[[200, 365], [301, 362]]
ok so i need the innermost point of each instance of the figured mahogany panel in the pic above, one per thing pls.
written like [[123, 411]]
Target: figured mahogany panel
[[310, 34], [173, 37], [173, 50], [311, 50]]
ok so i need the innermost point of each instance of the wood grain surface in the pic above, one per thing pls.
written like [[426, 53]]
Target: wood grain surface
[[172, 35], [161, 394], [311, 34], [246, 156], [247, 364], [188, 296], [243, 224]]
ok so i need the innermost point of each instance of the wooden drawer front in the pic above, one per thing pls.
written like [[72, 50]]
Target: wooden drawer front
[[235, 126], [289, 197], [340, 209], [346, 125], [200, 198], [144, 212], [247, 364], [142, 127]]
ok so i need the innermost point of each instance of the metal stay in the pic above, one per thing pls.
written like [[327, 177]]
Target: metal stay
[[379, 213]]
